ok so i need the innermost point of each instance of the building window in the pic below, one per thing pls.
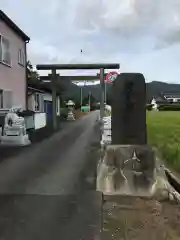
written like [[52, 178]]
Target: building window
[[37, 102], [57, 105], [1, 98], [5, 56], [21, 57], [7, 99]]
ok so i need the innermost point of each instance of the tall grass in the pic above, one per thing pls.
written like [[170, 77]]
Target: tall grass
[[164, 133]]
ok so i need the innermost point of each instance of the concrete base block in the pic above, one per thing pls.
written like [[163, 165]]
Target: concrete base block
[[70, 117], [127, 169], [15, 140]]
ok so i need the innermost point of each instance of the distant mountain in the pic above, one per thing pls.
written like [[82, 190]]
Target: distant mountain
[[74, 91], [153, 89]]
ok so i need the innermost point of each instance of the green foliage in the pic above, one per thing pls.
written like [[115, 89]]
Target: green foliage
[[107, 113], [64, 112], [164, 133]]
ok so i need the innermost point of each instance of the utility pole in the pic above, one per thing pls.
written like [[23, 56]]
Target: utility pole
[[102, 94], [81, 88], [53, 84], [81, 97], [89, 101]]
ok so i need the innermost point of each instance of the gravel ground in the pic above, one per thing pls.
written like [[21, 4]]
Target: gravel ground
[[130, 218]]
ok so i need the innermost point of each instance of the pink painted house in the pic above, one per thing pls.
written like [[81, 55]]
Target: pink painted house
[[13, 73]]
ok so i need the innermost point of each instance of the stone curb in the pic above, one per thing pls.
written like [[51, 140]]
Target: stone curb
[[173, 180]]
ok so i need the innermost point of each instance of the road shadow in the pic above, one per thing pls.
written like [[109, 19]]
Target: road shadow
[[36, 217]]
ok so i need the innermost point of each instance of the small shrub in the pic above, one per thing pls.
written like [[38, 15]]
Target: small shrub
[[64, 113], [149, 107]]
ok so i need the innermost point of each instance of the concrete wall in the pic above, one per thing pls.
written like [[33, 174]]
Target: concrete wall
[[47, 97], [13, 77]]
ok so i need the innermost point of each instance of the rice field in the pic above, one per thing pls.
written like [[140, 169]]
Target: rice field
[[164, 133]]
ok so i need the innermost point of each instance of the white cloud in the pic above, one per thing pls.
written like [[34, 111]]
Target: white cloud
[[142, 35]]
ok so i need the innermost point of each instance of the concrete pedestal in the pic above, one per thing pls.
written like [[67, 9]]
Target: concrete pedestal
[[15, 136], [22, 140], [70, 116], [127, 169]]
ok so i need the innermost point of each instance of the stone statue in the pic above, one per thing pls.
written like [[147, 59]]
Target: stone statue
[[14, 132]]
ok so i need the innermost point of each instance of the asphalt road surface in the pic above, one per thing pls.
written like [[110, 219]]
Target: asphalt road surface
[[43, 194]]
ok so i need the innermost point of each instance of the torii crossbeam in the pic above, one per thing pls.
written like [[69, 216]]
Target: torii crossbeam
[[72, 78]]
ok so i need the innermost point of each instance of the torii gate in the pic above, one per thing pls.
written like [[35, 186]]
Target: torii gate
[[80, 78], [54, 77]]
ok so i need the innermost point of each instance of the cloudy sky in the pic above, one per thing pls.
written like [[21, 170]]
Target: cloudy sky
[[141, 35]]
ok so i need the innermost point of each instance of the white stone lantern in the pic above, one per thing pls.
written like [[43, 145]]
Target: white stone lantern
[[70, 104]]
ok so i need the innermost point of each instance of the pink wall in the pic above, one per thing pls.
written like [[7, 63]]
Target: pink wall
[[13, 78]]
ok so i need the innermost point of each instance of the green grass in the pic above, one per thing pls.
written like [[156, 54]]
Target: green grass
[[164, 133]]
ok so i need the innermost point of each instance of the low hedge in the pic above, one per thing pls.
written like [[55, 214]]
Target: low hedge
[[64, 112], [169, 107]]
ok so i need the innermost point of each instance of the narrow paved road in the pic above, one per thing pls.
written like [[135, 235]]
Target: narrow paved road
[[41, 194]]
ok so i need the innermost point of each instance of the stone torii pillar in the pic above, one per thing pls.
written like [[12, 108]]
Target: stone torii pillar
[[54, 96]]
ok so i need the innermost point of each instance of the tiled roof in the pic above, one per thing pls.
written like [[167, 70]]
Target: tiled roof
[[46, 87], [172, 95], [160, 99]]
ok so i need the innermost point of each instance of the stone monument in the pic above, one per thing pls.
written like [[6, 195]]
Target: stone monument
[[70, 104], [128, 165], [129, 109], [14, 131]]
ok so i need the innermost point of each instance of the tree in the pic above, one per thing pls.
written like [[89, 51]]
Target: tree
[[32, 75], [85, 101], [92, 99], [87, 98]]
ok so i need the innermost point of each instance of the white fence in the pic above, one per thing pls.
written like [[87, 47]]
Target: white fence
[[106, 135], [39, 120]]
